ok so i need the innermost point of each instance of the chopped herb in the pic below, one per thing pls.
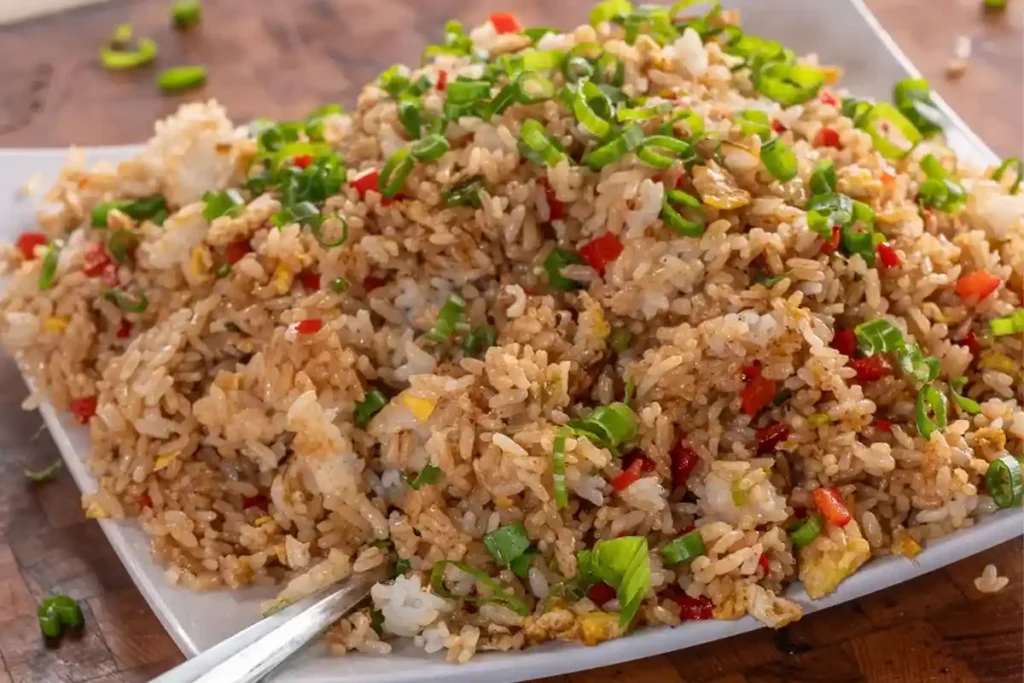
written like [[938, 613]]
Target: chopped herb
[[371, 404], [179, 78], [480, 339], [56, 613], [507, 543], [489, 590], [430, 474], [45, 473], [186, 13]]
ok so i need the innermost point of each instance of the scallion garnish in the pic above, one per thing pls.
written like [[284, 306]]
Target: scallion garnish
[[913, 362], [627, 140], [878, 336], [930, 410], [116, 56], [608, 426], [447, 319], [410, 115], [940, 190], [138, 209], [968, 405], [339, 285], [779, 159], [620, 340], [227, 203], [674, 202], [538, 146], [650, 151], [789, 84], [583, 109], [456, 42], [464, 193], [507, 543], [303, 213], [122, 245], [395, 172], [538, 32], [371, 404], [430, 474], [891, 132], [769, 281], [558, 468], [489, 590], [49, 268], [693, 121], [807, 530], [181, 78], [823, 179], [186, 13], [465, 91], [126, 301], [553, 264], [430, 148], [1017, 167], [913, 98], [56, 613], [479, 339], [1008, 324], [46, 473], [622, 563], [755, 122], [223, 270], [317, 228], [1003, 481], [684, 549]]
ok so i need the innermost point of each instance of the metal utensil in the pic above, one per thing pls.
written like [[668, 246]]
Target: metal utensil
[[249, 655]]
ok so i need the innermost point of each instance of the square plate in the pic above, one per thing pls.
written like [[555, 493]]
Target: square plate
[[842, 32]]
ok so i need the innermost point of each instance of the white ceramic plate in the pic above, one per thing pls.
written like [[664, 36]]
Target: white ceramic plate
[[843, 33]]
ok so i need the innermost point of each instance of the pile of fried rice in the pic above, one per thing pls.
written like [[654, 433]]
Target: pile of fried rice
[[561, 392]]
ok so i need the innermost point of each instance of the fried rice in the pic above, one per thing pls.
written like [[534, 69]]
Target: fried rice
[[274, 407]]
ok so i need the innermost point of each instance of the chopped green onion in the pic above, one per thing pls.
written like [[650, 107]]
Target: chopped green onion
[[181, 78], [479, 339], [371, 404], [315, 120], [50, 261], [1018, 170], [940, 190], [117, 58], [769, 281], [807, 530], [186, 13], [456, 42], [583, 110], [823, 179], [968, 405], [558, 468], [227, 203], [995, 5], [538, 146], [694, 124], [755, 122], [521, 565], [608, 10], [642, 113], [930, 402], [577, 69], [303, 213], [467, 91], [223, 270], [789, 84], [912, 97], [430, 148], [465, 193], [629, 391], [317, 228], [535, 34], [45, 473], [781, 397], [127, 302], [685, 548], [57, 612], [649, 155], [339, 285], [553, 264], [138, 209], [430, 474], [1008, 324], [891, 132], [402, 566], [878, 336], [628, 140], [376, 616], [1003, 481], [536, 60], [410, 115], [533, 88], [122, 244], [608, 426], [674, 220], [447, 319], [491, 589], [506, 543], [779, 159], [622, 563], [395, 172], [620, 340]]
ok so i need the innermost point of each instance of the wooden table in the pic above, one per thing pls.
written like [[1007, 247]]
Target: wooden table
[[280, 59]]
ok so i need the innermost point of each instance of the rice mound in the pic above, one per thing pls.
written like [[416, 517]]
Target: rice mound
[[229, 431]]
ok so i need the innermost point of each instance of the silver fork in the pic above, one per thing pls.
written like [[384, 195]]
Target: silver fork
[[251, 654]]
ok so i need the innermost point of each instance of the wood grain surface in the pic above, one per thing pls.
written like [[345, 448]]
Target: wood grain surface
[[281, 58]]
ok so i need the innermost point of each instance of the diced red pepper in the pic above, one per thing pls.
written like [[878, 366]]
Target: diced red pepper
[[694, 609], [556, 209], [757, 393], [601, 593], [310, 280], [505, 22], [682, 181], [778, 127], [83, 409], [145, 501], [764, 562], [367, 182], [845, 342], [309, 326], [828, 98], [302, 160], [629, 475], [236, 251], [888, 179], [832, 244], [95, 260], [373, 281], [124, 329], [749, 372], [27, 243], [771, 436], [827, 137], [601, 251], [258, 501], [883, 425], [684, 461], [830, 503], [646, 464], [977, 285], [970, 340], [442, 80], [888, 256], [871, 369]]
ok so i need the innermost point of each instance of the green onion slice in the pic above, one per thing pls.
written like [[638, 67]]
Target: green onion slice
[[620, 340], [410, 115], [553, 264], [608, 426], [755, 122], [489, 589], [1014, 164], [122, 245], [430, 148], [317, 228], [913, 362], [642, 113], [930, 411], [628, 140], [50, 261], [466, 91], [181, 78], [649, 152], [623, 564], [186, 13], [675, 221], [968, 405], [779, 159], [538, 146], [227, 203], [57, 612], [126, 301], [1003, 481], [789, 84], [558, 468], [430, 474], [878, 336], [769, 281], [608, 10], [138, 209], [464, 193], [586, 97], [521, 565], [941, 190], [685, 548], [479, 339], [395, 172], [535, 34], [46, 473], [807, 530], [1008, 324], [823, 179], [507, 543], [117, 59], [456, 42], [891, 132], [339, 285], [371, 404], [447, 319], [912, 97], [303, 213]]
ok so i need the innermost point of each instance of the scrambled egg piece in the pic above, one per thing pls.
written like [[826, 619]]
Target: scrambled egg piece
[[422, 408], [599, 626], [56, 325], [590, 629], [833, 556], [770, 609], [718, 189]]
